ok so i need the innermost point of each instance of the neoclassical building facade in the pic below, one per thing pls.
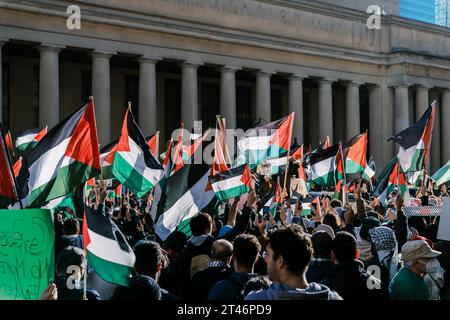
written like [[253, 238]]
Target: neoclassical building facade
[[250, 61]]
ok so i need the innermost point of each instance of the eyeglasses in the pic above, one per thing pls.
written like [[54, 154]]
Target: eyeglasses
[[264, 255]]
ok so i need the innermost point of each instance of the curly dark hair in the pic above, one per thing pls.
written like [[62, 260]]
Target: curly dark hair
[[293, 245]]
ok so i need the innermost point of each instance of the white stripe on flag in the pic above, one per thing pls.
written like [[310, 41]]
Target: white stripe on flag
[[25, 139], [405, 157], [254, 143], [226, 184], [109, 250], [277, 162], [186, 207], [135, 157], [323, 168], [47, 166]]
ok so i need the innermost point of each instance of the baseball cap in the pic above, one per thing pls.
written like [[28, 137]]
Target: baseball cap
[[417, 249]]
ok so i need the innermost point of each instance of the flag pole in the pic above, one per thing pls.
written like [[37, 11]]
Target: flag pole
[[11, 171], [85, 276], [289, 151]]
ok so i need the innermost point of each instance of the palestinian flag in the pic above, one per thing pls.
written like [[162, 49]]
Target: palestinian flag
[[415, 142], [267, 141], [368, 173], [178, 152], [107, 250], [355, 154], [231, 183], [27, 140], [66, 157], [17, 166], [153, 143], [116, 192], [7, 192], [442, 175], [324, 166], [167, 162], [307, 207], [403, 187], [107, 154], [182, 197], [134, 165], [297, 156], [278, 164], [387, 181], [272, 200], [320, 147]]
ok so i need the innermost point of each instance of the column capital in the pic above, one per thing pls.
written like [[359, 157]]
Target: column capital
[[326, 80], [401, 85], [423, 87], [263, 73], [296, 76], [230, 69], [102, 54], [44, 47], [354, 84], [190, 64], [148, 59]]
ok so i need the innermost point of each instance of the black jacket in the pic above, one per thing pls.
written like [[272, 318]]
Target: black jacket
[[140, 287], [66, 293], [203, 281], [352, 282], [191, 250]]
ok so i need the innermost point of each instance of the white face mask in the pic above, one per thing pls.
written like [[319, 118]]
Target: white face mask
[[432, 265]]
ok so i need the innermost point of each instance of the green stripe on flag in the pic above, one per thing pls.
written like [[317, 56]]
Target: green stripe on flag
[[352, 167], [110, 271], [233, 192], [326, 181]]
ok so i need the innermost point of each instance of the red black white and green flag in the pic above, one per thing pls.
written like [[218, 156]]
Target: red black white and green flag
[[66, 157], [387, 181], [107, 154], [28, 139], [267, 141], [231, 183], [324, 166], [355, 154], [107, 250], [272, 200], [7, 192], [442, 175], [134, 164], [415, 142], [153, 143]]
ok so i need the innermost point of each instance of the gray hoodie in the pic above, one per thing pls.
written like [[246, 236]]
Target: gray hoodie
[[278, 291]]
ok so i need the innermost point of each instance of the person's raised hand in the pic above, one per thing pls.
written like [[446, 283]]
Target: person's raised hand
[[50, 293], [399, 202], [251, 200]]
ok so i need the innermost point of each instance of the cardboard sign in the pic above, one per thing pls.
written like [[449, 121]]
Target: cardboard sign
[[26, 253], [444, 222]]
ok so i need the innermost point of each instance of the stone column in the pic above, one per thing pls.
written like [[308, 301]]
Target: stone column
[[401, 108], [228, 95], [147, 95], [445, 113], [422, 102], [296, 105], [381, 125], [102, 94], [263, 110], [352, 110], [435, 149], [49, 85], [325, 110], [189, 94]]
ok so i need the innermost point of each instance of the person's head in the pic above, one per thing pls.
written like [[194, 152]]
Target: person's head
[[200, 224], [330, 220], [336, 203], [70, 260], [150, 259], [222, 250], [322, 244], [326, 228], [419, 257], [383, 238], [344, 248], [246, 249], [255, 284], [289, 252], [367, 224], [175, 242], [71, 227]]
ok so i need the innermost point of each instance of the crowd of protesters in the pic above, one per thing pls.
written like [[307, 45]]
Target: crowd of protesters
[[358, 251]]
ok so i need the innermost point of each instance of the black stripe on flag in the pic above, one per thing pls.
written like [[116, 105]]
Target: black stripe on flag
[[412, 135], [34, 131], [136, 135], [324, 154]]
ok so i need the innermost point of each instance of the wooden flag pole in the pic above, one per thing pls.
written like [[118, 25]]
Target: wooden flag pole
[[11, 170], [289, 151]]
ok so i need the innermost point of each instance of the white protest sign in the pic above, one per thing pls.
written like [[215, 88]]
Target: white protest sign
[[444, 222]]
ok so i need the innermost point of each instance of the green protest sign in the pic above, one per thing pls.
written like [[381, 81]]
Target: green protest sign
[[26, 253]]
